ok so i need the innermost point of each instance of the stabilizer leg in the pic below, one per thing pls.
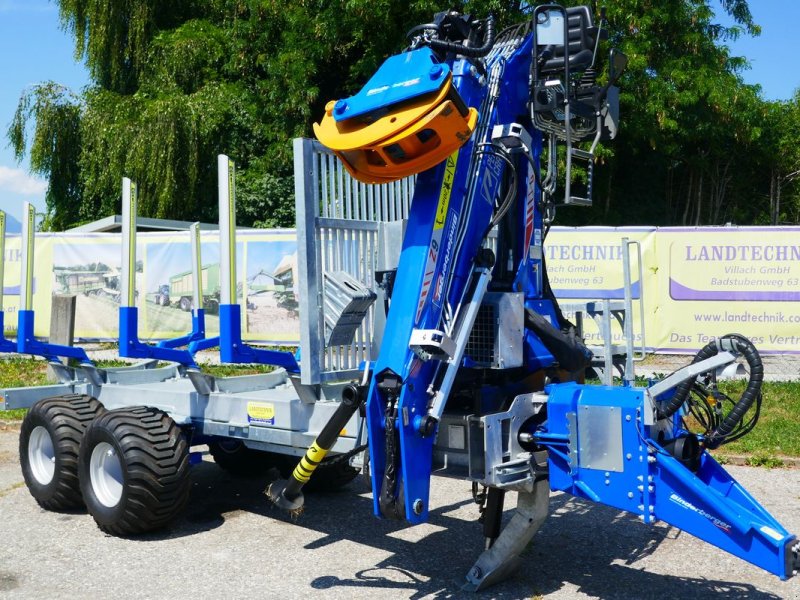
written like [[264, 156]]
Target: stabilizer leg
[[499, 561], [288, 494]]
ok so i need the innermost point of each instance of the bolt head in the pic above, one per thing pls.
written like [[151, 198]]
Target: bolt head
[[418, 506], [340, 107], [477, 573], [427, 426], [436, 71]]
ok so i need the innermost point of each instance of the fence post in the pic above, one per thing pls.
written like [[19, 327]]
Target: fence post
[[62, 325]]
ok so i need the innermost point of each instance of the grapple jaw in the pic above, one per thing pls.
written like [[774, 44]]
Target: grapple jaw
[[408, 118]]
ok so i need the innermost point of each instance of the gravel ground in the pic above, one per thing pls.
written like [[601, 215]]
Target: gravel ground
[[232, 544]]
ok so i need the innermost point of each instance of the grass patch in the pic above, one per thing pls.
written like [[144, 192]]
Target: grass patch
[[26, 372], [235, 370], [21, 372], [13, 415], [776, 435], [778, 430], [762, 460]]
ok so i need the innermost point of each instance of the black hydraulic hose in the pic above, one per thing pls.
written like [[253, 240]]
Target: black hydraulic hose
[[738, 344], [479, 52], [391, 505], [493, 515]]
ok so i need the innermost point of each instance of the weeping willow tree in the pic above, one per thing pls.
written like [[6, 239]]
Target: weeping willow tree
[[175, 83], [54, 147]]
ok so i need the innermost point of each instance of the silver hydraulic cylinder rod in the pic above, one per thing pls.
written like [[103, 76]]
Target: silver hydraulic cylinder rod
[[226, 177], [2, 257], [128, 265], [197, 267], [26, 275], [628, 293], [463, 330]]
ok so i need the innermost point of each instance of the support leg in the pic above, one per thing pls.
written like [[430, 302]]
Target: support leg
[[499, 561]]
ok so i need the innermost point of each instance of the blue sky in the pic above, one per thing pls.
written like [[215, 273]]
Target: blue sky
[[773, 54], [33, 49]]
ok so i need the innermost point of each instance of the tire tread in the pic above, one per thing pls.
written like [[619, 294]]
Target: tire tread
[[70, 415], [155, 453]]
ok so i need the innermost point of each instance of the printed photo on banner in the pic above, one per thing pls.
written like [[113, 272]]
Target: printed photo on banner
[[90, 269], [272, 295], [170, 285]]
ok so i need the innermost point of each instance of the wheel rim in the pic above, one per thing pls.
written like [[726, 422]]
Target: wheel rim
[[42, 455], [105, 471]]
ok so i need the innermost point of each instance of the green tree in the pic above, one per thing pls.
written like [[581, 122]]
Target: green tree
[[175, 83], [54, 147], [688, 120], [782, 157]]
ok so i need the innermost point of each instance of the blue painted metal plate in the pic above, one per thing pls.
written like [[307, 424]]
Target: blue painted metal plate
[[709, 504], [400, 78]]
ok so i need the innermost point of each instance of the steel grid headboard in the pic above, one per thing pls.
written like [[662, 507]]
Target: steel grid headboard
[[338, 220]]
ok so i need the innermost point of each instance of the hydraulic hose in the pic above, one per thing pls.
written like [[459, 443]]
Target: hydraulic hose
[[737, 344], [480, 51]]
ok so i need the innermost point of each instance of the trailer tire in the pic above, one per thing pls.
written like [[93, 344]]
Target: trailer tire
[[134, 470], [49, 443], [185, 304], [213, 306], [237, 459]]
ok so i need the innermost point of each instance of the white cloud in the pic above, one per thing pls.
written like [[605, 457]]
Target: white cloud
[[17, 181]]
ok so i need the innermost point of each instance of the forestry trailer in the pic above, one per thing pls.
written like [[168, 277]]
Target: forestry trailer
[[430, 337]]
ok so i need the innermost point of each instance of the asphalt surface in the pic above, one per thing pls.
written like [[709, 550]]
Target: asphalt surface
[[232, 544]]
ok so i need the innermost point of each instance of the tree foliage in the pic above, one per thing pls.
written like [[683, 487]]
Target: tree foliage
[[175, 83], [54, 147]]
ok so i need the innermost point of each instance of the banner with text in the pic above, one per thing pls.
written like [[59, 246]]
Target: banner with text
[[695, 284], [89, 267], [698, 283], [730, 280]]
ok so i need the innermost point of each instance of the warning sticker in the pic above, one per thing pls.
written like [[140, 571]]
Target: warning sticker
[[260, 413]]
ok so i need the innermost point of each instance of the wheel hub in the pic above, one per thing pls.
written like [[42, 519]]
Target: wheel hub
[[42, 455], [105, 471]]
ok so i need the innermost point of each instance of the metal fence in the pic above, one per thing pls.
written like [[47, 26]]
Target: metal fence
[[338, 228]]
